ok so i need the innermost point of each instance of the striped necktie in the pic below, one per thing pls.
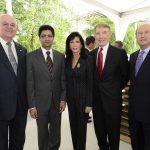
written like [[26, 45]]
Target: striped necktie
[[49, 62], [12, 58]]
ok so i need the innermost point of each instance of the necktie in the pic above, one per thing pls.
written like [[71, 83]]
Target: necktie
[[12, 58], [139, 62], [49, 62], [100, 62]]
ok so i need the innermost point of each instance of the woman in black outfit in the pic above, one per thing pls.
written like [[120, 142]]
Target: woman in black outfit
[[79, 88]]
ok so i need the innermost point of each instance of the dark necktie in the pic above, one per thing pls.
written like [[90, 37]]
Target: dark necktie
[[49, 62], [139, 61], [12, 58], [100, 62]]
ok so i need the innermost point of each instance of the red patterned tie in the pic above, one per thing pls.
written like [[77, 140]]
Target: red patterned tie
[[100, 62], [49, 62]]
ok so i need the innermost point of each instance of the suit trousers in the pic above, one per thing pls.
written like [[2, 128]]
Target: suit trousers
[[140, 133], [49, 129], [78, 125], [15, 128], [107, 128]]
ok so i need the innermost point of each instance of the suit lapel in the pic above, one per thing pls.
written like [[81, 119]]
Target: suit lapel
[[109, 55], [41, 60], [145, 63], [134, 62], [95, 56], [95, 61], [54, 62], [5, 59], [18, 51]]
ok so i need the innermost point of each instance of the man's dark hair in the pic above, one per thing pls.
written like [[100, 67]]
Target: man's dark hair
[[46, 27], [120, 44], [89, 40]]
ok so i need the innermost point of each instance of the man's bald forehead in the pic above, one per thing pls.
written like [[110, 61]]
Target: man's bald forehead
[[6, 16]]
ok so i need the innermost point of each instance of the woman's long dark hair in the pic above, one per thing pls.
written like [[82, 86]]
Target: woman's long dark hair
[[70, 38]]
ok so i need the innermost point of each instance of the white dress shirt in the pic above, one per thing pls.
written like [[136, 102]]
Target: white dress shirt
[[5, 46], [45, 55], [146, 50], [104, 52]]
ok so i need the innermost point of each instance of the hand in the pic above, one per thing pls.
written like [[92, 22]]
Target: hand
[[62, 106], [33, 112], [88, 109]]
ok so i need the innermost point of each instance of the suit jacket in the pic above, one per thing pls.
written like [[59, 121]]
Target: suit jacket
[[79, 82], [107, 90], [12, 87], [139, 100], [43, 87]]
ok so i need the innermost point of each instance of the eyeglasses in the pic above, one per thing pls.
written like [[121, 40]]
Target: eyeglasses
[[6, 25], [143, 33]]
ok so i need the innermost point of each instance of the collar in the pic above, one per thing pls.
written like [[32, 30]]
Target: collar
[[105, 48], [146, 50], [3, 42], [45, 50]]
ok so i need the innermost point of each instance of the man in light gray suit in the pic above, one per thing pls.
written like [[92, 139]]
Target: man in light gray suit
[[46, 89]]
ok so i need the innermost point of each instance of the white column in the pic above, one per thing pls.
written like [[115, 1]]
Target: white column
[[9, 7], [121, 27]]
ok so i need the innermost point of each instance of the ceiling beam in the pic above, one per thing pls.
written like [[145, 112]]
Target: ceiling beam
[[102, 6], [135, 11]]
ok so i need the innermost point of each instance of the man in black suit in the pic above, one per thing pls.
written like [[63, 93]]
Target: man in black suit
[[13, 102], [110, 76], [46, 89], [139, 94], [118, 44], [90, 43]]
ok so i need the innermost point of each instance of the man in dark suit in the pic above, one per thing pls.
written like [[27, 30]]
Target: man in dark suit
[[139, 94], [90, 43], [110, 76], [13, 102], [46, 89], [118, 44]]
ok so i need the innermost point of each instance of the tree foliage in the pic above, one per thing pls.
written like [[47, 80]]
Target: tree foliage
[[94, 20], [2, 7], [31, 14], [129, 41]]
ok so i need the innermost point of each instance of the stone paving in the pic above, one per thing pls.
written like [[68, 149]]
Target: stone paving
[[31, 136]]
